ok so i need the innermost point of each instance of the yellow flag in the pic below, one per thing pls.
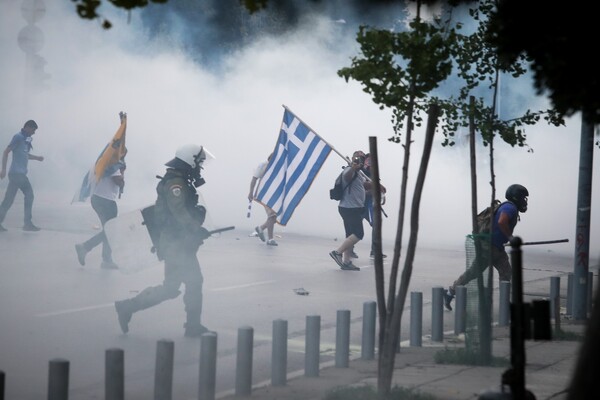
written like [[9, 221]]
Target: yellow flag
[[114, 151]]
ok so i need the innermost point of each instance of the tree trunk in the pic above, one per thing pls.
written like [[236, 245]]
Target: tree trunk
[[392, 332]]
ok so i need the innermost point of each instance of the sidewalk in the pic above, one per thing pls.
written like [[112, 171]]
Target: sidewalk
[[549, 366]]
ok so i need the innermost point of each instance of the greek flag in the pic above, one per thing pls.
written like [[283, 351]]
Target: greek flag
[[297, 158]]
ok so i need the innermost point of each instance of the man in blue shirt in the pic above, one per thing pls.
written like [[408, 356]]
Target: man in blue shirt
[[505, 220], [20, 146]]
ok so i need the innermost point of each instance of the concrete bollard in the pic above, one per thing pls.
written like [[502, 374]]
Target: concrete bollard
[[163, 373], [437, 314], [58, 379], [114, 372], [279, 353], [368, 330], [208, 366], [460, 310], [504, 304], [416, 319], [312, 345], [243, 369], [342, 339]]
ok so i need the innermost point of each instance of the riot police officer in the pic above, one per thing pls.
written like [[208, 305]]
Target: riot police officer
[[178, 218]]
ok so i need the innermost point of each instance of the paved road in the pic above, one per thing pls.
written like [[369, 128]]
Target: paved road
[[51, 307]]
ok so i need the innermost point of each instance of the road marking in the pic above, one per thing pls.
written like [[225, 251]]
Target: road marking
[[76, 310], [73, 310], [241, 286]]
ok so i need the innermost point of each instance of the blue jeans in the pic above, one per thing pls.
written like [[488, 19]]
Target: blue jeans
[[17, 182]]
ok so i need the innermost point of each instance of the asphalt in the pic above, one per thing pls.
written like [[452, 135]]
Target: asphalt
[[548, 370], [53, 307]]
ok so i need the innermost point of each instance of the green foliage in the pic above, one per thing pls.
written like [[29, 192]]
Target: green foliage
[[88, 9], [367, 392], [462, 356], [400, 70], [559, 334], [560, 48]]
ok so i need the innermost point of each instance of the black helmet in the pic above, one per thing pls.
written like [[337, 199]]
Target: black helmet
[[517, 194]]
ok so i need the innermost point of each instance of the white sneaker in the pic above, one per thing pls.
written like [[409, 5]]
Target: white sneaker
[[272, 242]]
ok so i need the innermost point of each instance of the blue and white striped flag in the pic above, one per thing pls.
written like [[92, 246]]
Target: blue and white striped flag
[[298, 157]]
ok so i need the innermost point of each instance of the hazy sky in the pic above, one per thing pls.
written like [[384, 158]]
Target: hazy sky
[[236, 112]]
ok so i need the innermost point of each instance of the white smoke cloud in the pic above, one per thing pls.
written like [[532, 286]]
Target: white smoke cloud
[[236, 113]]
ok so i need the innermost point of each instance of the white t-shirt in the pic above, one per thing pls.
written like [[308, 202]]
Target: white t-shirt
[[260, 170], [107, 188]]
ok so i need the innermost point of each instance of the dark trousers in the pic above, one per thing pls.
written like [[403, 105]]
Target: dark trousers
[[106, 210], [17, 182], [181, 267]]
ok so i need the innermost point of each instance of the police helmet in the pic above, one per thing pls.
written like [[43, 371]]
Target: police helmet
[[190, 156], [518, 194], [189, 159]]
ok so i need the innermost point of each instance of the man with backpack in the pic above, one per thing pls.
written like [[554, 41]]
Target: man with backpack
[[351, 208], [504, 221]]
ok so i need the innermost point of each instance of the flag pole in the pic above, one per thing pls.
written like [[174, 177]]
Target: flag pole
[[328, 144], [313, 131]]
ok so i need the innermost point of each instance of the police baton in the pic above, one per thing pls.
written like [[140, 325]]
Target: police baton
[[542, 242], [219, 230]]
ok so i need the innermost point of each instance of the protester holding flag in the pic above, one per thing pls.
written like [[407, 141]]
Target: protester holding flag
[[269, 224], [20, 147], [104, 203], [104, 183], [298, 156], [351, 208]]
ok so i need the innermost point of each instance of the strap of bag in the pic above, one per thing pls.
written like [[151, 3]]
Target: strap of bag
[[349, 183]]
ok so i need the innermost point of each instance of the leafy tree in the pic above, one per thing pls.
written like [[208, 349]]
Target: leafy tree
[[556, 46], [400, 70], [403, 89]]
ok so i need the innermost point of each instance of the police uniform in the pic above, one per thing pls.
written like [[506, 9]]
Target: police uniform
[[180, 217]]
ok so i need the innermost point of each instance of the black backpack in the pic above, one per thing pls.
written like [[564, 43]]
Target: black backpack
[[338, 190]]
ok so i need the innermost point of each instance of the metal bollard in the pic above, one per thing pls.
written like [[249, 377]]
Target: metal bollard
[[279, 353], [416, 319], [460, 310], [554, 296], [2, 379], [163, 374], [243, 369], [312, 345], [570, 294], [342, 339], [114, 371], [437, 314], [590, 288], [368, 330], [504, 304], [58, 379], [208, 366]]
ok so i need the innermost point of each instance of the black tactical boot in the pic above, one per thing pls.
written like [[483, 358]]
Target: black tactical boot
[[195, 330], [124, 311]]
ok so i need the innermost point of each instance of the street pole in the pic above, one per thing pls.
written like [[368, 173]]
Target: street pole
[[584, 211]]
